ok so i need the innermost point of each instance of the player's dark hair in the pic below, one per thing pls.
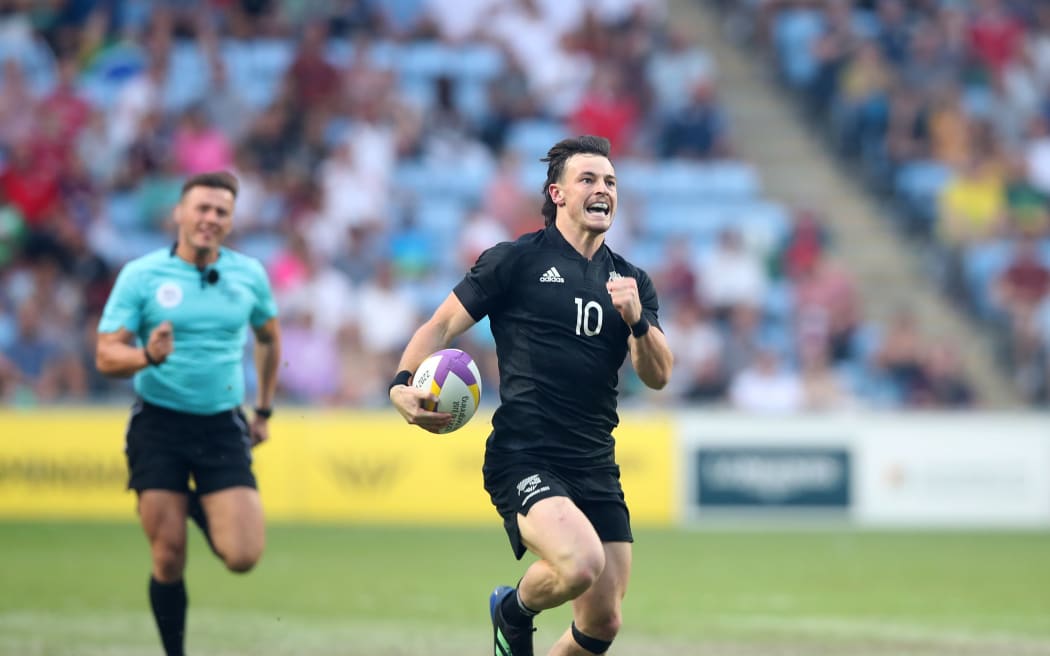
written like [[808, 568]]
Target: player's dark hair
[[215, 180], [556, 158]]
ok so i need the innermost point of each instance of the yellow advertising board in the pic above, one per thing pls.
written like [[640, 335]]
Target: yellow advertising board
[[319, 465]]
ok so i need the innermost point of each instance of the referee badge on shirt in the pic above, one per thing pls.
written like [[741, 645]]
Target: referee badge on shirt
[[169, 294]]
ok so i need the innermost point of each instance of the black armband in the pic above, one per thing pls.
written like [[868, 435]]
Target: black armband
[[265, 413], [639, 329], [401, 378], [149, 358]]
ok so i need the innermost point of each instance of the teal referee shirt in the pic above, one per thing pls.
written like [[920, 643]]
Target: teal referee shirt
[[209, 315]]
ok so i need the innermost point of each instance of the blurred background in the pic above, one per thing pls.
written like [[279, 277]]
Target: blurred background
[[843, 205], [857, 221]]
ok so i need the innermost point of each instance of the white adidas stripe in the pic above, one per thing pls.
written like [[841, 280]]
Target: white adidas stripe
[[551, 275]]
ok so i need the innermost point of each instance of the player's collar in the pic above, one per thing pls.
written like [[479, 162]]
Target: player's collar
[[560, 242]]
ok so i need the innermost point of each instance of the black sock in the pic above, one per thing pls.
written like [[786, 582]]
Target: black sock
[[515, 612], [169, 609], [195, 510]]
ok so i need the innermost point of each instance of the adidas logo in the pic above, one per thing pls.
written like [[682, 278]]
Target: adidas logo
[[551, 275]]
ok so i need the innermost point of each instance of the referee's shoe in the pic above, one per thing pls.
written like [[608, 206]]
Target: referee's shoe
[[509, 640]]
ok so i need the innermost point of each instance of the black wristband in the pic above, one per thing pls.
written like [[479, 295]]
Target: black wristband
[[149, 358], [265, 413], [401, 378], [639, 329]]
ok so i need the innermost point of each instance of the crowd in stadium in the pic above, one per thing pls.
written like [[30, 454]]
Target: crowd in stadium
[[380, 146], [945, 109]]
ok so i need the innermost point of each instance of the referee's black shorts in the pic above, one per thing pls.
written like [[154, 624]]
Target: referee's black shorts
[[165, 448], [515, 487]]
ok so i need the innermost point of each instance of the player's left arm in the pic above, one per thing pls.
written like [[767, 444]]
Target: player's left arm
[[650, 354], [267, 360]]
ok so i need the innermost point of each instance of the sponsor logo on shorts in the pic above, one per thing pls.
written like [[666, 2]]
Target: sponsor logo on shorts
[[169, 294], [530, 486]]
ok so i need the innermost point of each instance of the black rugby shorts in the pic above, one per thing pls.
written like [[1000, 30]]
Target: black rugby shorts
[[165, 448], [516, 488]]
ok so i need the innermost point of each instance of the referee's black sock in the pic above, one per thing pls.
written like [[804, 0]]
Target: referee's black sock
[[195, 510], [515, 612], [169, 609]]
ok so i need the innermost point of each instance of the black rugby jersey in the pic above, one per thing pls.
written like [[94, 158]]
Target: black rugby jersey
[[559, 341]]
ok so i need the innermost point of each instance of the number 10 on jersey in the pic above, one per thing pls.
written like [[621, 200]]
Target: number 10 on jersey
[[586, 315]]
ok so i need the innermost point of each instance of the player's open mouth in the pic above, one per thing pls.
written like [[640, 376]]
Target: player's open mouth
[[598, 208]]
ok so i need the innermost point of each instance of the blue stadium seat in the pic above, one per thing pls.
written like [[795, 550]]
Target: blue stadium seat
[[779, 302], [761, 222], [403, 15], [257, 67], [686, 180], [435, 184], [917, 185], [36, 61], [982, 264], [794, 31], [440, 215], [262, 245], [533, 138], [122, 210], [339, 52], [480, 62], [425, 59], [188, 76]]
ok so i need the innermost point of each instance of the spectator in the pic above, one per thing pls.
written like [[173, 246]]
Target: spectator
[[223, 103], [943, 384], [606, 109], [314, 82], [38, 365], [823, 388], [972, 205], [198, 146], [1027, 208], [949, 127], [731, 275], [766, 387], [901, 355], [313, 356], [682, 65], [30, 185], [1037, 154], [63, 112], [698, 130], [827, 310], [141, 96], [1018, 293], [381, 296], [700, 374], [17, 118]]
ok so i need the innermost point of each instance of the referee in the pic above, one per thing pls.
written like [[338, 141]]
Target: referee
[[177, 320], [565, 312]]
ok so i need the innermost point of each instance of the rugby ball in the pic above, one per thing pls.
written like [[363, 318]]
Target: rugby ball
[[452, 376]]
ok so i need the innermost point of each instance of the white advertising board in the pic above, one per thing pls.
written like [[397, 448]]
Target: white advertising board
[[953, 475], [935, 470]]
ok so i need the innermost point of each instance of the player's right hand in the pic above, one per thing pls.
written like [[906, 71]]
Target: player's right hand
[[409, 402], [161, 341]]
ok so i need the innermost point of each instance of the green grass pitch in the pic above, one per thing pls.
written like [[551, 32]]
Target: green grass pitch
[[80, 589]]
